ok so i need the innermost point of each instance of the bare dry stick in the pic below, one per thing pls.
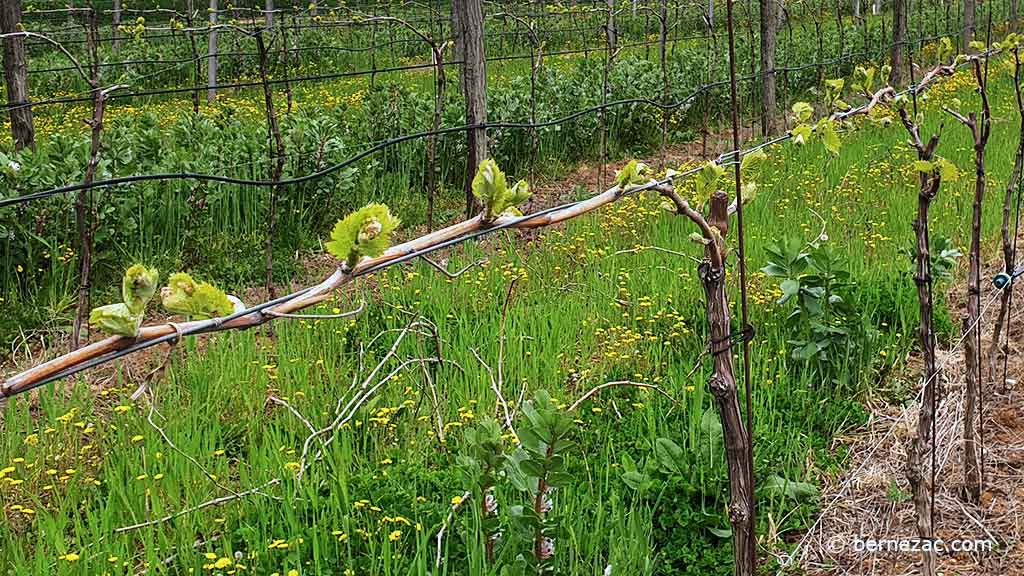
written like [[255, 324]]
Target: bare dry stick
[[444, 526], [363, 395], [212, 502], [453, 275], [507, 416], [600, 387], [294, 411]]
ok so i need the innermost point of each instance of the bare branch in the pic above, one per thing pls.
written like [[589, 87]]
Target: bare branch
[[616, 383]]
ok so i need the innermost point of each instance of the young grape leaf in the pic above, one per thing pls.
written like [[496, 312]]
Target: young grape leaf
[[632, 174], [801, 134], [802, 111], [365, 232], [116, 319], [490, 187], [197, 300], [829, 136], [707, 180]]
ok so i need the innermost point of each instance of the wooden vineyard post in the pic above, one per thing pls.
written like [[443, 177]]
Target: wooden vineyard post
[[722, 382], [922, 445], [899, 38], [968, 27], [115, 24], [474, 84], [16, 75]]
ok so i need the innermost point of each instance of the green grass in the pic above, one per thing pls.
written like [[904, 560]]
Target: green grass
[[580, 315]]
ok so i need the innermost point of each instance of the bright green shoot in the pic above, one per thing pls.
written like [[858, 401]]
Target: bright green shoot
[[751, 168], [125, 318], [631, 175], [138, 287], [490, 187], [803, 131], [365, 232], [196, 300]]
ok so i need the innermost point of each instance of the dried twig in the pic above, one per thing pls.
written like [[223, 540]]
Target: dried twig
[[600, 387]]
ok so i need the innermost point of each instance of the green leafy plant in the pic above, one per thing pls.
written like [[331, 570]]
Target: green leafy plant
[[677, 475], [125, 318], [814, 281], [365, 232], [490, 187], [197, 300], [482, 465], [944, 255], [778, 486], [537, 469]]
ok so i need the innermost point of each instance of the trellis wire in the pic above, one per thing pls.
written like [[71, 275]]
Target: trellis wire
[[725, 159], [383, 145]]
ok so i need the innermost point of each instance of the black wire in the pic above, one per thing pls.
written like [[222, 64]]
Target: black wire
[[311, 78], [341, 165], [385, 144], [9, 106]]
